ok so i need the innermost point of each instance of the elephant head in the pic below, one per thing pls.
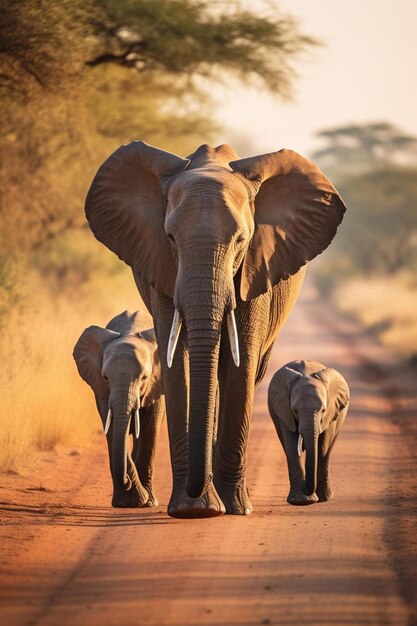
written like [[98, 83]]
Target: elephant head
[[186, 226], [308, 397], [123, 370]]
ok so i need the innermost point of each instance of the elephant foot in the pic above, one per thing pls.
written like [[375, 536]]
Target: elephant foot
[[298, 498], [236, 499], [184, 507], [133, 499], [152, 499], [324, 493]]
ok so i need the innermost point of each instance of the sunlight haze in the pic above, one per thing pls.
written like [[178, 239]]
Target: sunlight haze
[[364, 72]]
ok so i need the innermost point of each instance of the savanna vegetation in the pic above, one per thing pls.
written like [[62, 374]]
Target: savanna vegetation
[[370, 269], [77, 79]]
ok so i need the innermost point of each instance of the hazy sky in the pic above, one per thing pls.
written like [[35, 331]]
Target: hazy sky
[[365, 72]]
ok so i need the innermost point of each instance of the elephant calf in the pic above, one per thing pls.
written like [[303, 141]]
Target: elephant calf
[[308, 403], [121, 365]]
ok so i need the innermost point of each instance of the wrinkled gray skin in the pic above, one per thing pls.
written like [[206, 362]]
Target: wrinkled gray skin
[[306, 398], [121, 365], [206, 236]]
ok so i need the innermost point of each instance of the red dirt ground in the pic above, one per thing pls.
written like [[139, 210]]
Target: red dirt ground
[[68, 558]]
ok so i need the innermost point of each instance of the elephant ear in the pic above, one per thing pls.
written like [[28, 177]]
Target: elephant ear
[[88, 356], [125, 208], [297, 212], [337, 394], [279, 395]]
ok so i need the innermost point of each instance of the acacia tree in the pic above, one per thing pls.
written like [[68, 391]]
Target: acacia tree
[[374, 167], [358, 146], [79, 77], [380, 234], [45, 41], [42, 45], [199, 37]]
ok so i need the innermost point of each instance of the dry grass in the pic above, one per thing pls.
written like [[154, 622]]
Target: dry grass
[[44, 401], [386, 305]]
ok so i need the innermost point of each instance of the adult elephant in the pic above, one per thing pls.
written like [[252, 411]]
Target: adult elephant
[[217, 245]]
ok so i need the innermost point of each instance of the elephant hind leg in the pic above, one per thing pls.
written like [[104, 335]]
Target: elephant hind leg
[[296, 475], [132, 499], [235, 497], [296, 495], [326, 443], [144, 448], [236, 393], [136, 496], [324, 491]]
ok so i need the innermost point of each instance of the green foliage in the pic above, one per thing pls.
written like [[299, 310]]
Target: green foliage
[[380, 231], [364, 146], [70, 261], [374, 169], [149, 107], [43, 45], [199, 37]]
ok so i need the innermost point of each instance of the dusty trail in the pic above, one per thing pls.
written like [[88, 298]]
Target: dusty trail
[[70, 559]]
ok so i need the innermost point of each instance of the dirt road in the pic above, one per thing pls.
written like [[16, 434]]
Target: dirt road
[[68, 558]]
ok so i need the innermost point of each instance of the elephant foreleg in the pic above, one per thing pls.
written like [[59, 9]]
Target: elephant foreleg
[[327, 441], [144, 448], [237, 390], [236, 405], [324, 491], [295, 466], [136, 496], [175, 386], [176, 380]]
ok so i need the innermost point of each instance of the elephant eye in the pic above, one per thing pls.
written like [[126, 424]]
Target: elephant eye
[[240, 238]]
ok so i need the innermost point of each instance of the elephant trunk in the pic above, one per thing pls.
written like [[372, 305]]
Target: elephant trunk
[[310, 434], [204, 301], [123, 403], [204, 354]]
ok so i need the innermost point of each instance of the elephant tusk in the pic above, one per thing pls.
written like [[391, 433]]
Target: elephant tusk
[[173, 337], [233, 338], [137, 424], [108, 422], [300, 445], [137, 421]]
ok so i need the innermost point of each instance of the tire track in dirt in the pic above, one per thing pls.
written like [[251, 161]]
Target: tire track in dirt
[[347, 561]]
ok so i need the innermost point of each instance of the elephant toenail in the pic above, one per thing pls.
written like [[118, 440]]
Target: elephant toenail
[[248, 511], [198, 504]]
